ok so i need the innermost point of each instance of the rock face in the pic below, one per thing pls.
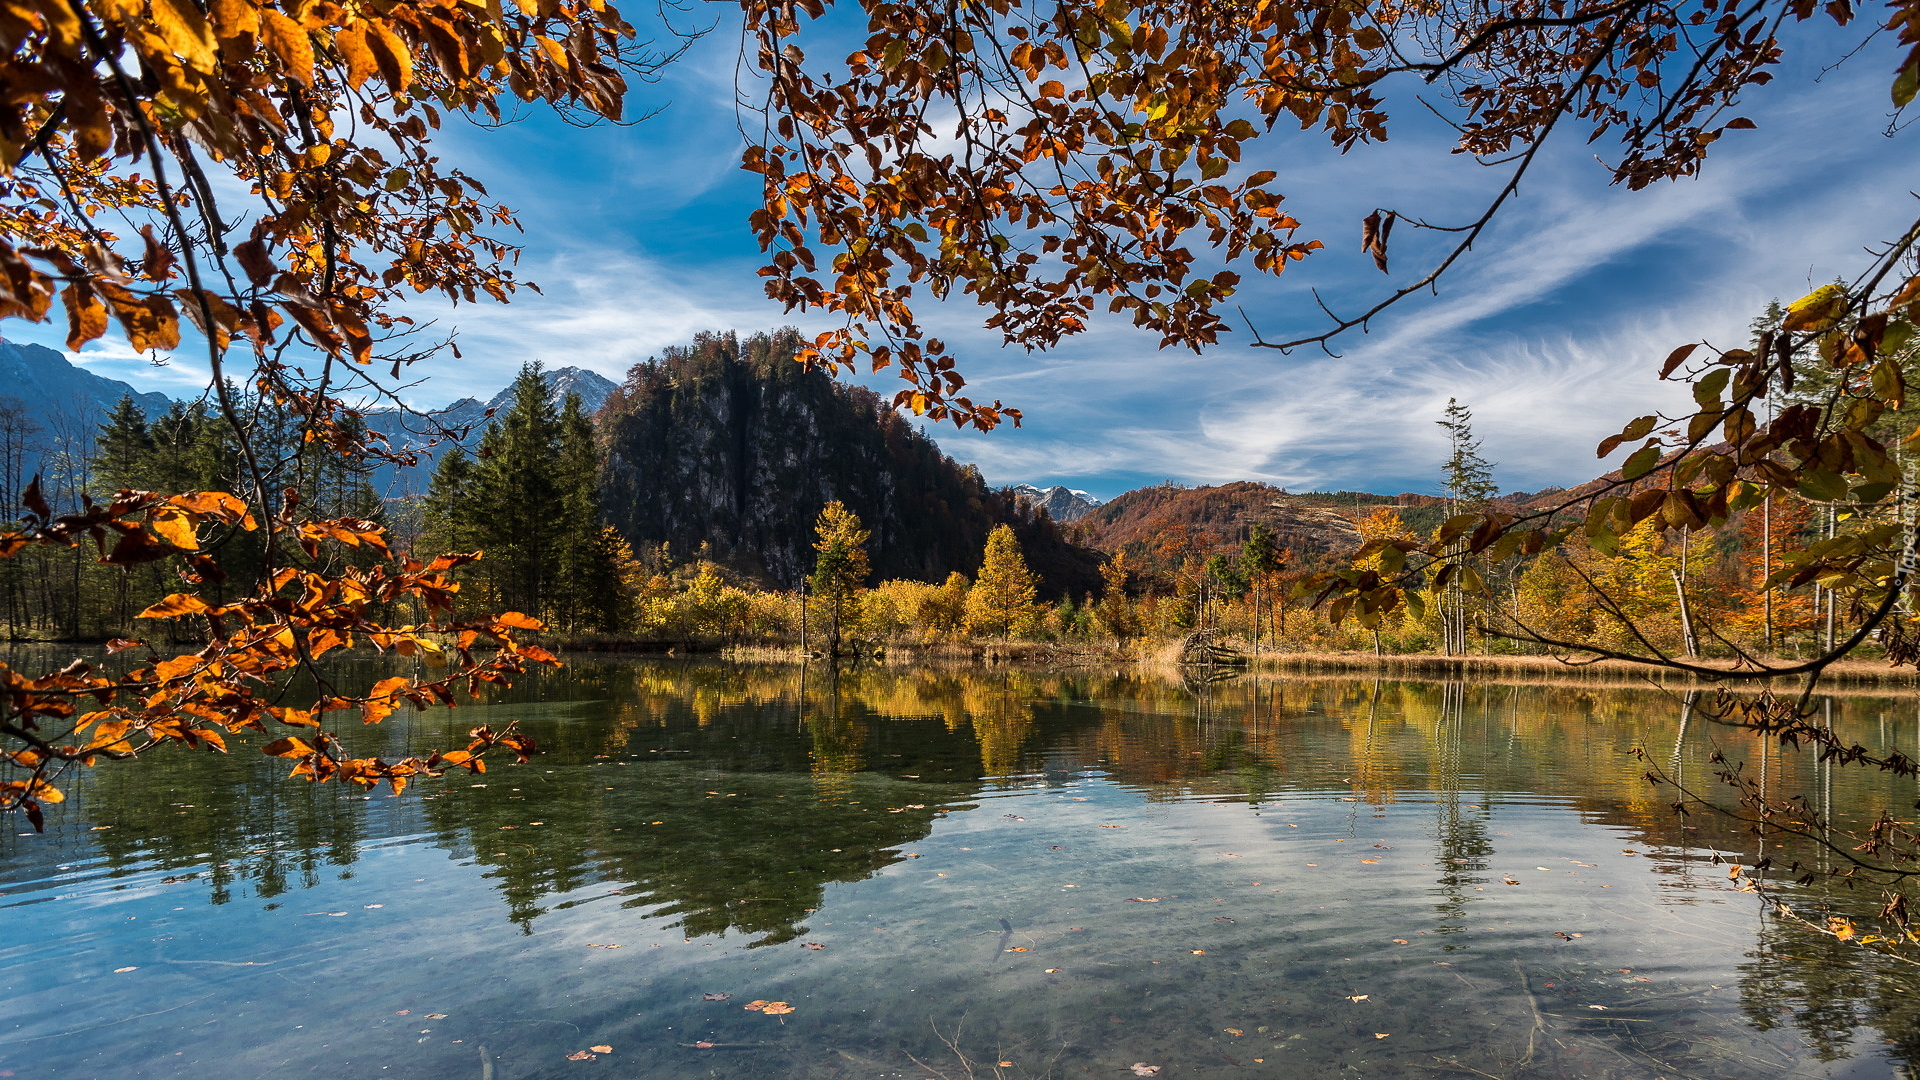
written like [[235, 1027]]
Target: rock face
[[1061, 503], [730, 446]]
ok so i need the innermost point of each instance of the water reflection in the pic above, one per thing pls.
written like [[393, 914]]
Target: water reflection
[[730, 802]]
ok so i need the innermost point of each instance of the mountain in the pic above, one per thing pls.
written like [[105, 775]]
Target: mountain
[[728, 447], [407, 431], [1062, 504], [49, 406], [1157, 526]]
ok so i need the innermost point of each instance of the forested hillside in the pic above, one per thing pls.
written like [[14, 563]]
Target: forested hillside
[[727, 447]]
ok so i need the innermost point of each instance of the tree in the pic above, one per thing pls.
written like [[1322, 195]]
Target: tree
[[126, 127], [1469, 484], [1089, 148], [1001, 601], [1260, 560], [124, 448], [839, 567], [1114, 613]]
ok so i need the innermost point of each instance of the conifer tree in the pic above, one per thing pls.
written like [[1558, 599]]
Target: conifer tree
[[839, 568], [1259, 562], [1001, 600], [123, 449], [516, 505], [1469, 484], [586, 565]]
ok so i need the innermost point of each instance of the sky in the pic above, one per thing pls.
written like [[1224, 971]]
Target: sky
[[1552, 330]]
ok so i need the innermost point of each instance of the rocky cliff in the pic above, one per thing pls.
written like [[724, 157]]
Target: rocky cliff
[[730, 446]]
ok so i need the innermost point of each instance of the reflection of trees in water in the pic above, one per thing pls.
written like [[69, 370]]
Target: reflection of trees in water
[[803, 767], [1828, 990], [1460, 828]]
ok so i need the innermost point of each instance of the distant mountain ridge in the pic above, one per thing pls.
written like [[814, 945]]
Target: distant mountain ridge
[[1063, 504], [406, 431], [60, 406]]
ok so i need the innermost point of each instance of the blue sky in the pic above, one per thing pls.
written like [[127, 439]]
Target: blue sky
[[1551, 330]]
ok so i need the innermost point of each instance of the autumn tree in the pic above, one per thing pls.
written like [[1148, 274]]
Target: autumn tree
[[839, 568], [1001, 602], [1114, 613], [126, 131]]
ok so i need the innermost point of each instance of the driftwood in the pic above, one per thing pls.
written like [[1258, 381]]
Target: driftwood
[[1205, 648]]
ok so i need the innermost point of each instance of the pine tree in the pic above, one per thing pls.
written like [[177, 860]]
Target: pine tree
[[839, 568], [516, 504], [1001, 600], [585, 562], [123, 449], [1469, 483], [1259, 562]]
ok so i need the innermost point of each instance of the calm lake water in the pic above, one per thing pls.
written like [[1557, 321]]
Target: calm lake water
[[944, 874]]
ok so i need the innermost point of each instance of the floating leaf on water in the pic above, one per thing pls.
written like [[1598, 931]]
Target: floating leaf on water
[[1221, 918], [1235, 1032], [1141, 1068], [124, 970], [1379, 1034], [436, 1016], [814, 945], [1198, 952], [601, 1049], [715, 997], [775, 1008], [704, 1045], [1143, 899], [1399, 941], [1006, 1064], [1510, 881], [581, 1055], [1357, 997], [756, 1005], [1370, 860], [1053, 971], [403, 1012]]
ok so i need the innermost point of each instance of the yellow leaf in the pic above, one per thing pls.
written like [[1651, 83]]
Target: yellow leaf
[[175, 606], [185, 31], [361, 65], [175, 528], [1818, 310], [289, 41]]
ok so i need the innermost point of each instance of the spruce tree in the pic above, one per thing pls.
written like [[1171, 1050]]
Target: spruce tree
[[123, 449], [516, 504], [586, 562]]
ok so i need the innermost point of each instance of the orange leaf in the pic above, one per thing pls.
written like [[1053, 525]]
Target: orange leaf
[[289, 41]]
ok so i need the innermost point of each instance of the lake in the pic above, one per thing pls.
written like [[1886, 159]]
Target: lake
[[757, 871]]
